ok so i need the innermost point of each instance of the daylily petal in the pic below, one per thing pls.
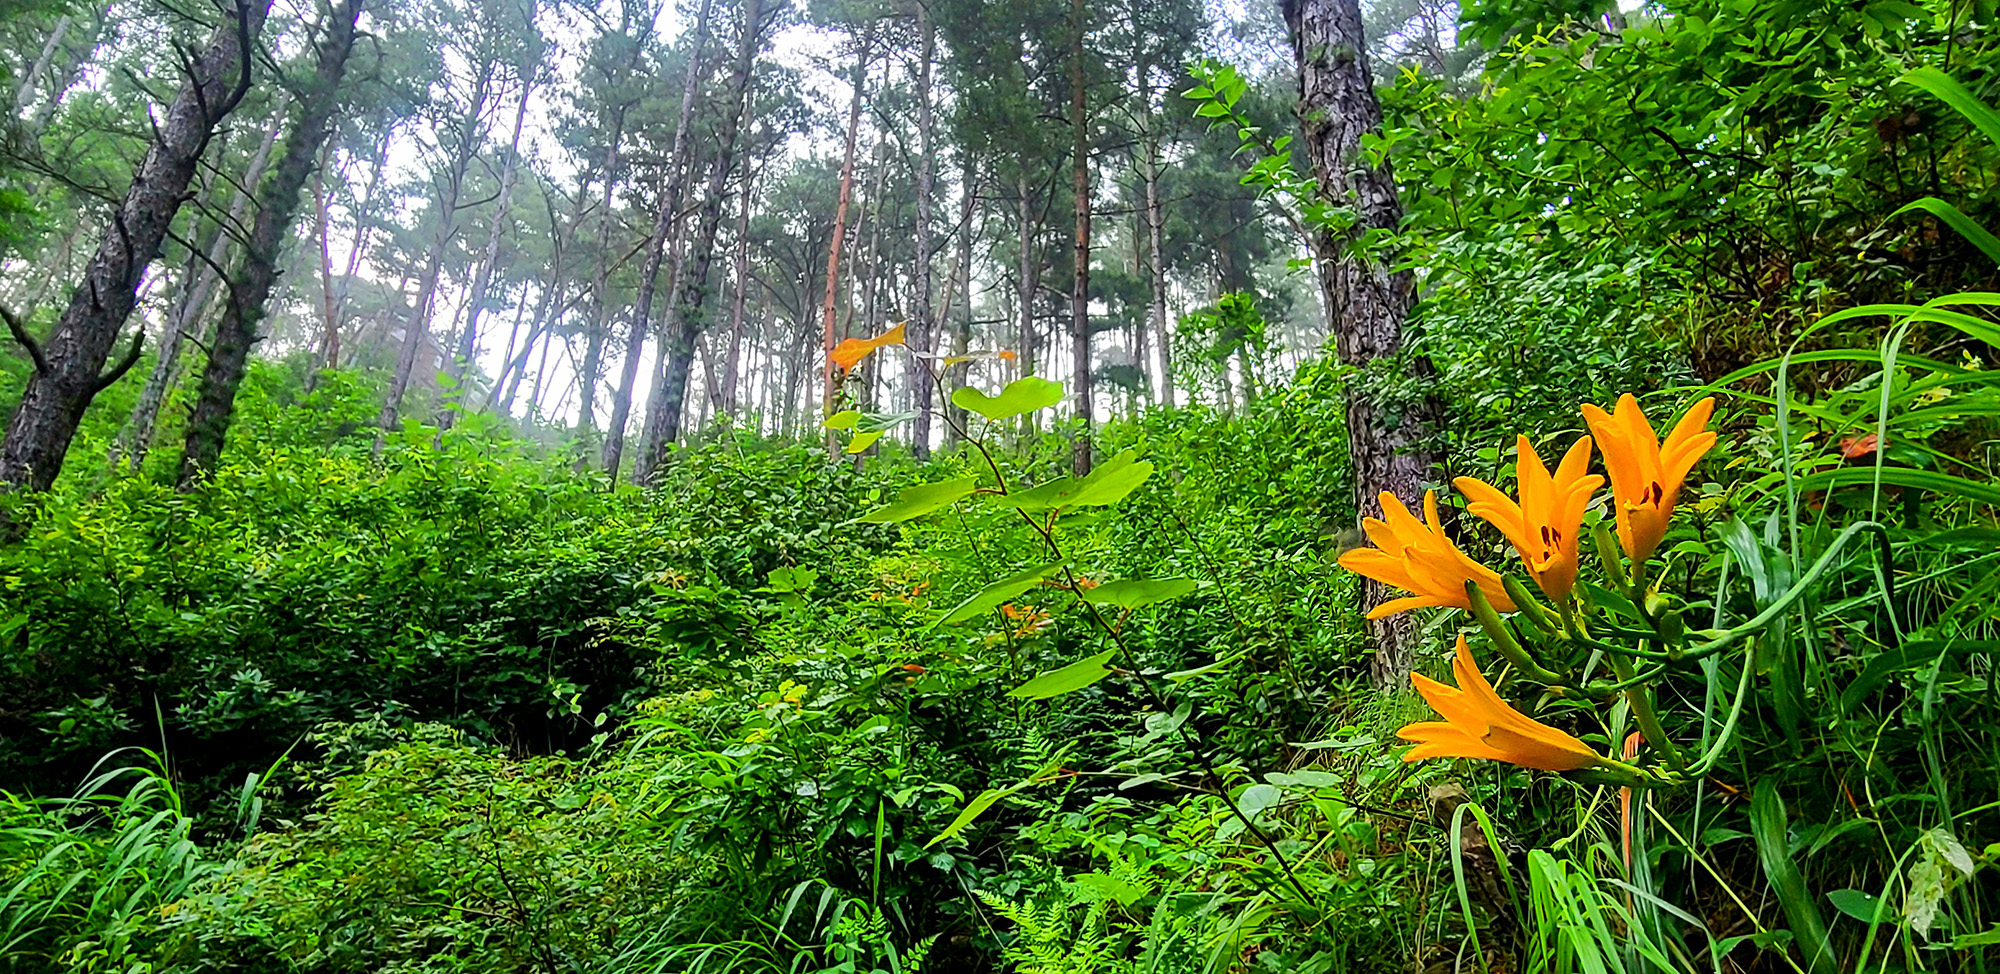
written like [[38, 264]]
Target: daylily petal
[[1478, 724], [1545, 524], [1646, 474], [1419, 558]]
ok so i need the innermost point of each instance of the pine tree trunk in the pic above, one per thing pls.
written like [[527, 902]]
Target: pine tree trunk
[[417, 327], [961, 332], [1366, 300], [482, 279], [69, 369], [595, 334], [24, 96], [679, 346], [277, 203], [859, 82], [1026, 283], [656, 248], [1079, 295], [733, 369], [922, 328], [1156, 267], [329, 348], [137, 437]]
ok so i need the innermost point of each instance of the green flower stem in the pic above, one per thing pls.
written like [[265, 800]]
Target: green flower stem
[[1784, 602], [1531, 607], [1640, 696], [1503, 638], [1618, 774]]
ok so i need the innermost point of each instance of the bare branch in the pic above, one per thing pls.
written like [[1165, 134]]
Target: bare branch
[[118, 371], [27, 341]]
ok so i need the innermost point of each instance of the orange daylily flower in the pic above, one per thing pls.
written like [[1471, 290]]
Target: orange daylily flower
[[1416, 556], [1478, 724], [849, 353], [1545, 524], [1646, 474]]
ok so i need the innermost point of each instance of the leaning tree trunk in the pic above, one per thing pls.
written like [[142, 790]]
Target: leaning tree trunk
[[918, 372], [418, 324], [839, 234], [733, 367], [24, 96], [678, 348], [1366, 300], [69, 369], [249, 292], [137, 437], [482, 279], [1079, 295], [656, 249]]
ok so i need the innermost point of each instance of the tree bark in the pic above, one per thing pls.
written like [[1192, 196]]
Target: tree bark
[[278, 203], [482, 279], [678, 348], [1079, 295], [1027, 283], [961, 332], [418, 324], [859, 82], [733, 369], [1366, 301], [656, 248], [329, 348], [24, 96], [1156, 266], [137, 438], [918, 372], [69, 366]]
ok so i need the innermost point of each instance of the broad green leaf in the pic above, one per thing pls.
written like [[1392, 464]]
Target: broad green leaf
[[920, 500], [1257, 799], [790, 578], [1023, 395], [1108, 484], [1069, 679], [1131, 593], [843, 420], [1004, 590], [1041, 497], [973, 809], [1111, 481], [1855, 903], [863, 439]]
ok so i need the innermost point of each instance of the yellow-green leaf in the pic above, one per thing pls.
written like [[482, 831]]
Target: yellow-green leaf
[[920, 500], [1069, 679], [1023, 395]]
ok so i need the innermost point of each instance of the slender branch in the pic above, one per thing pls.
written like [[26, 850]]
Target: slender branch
[[20, 333], [125, 365]]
